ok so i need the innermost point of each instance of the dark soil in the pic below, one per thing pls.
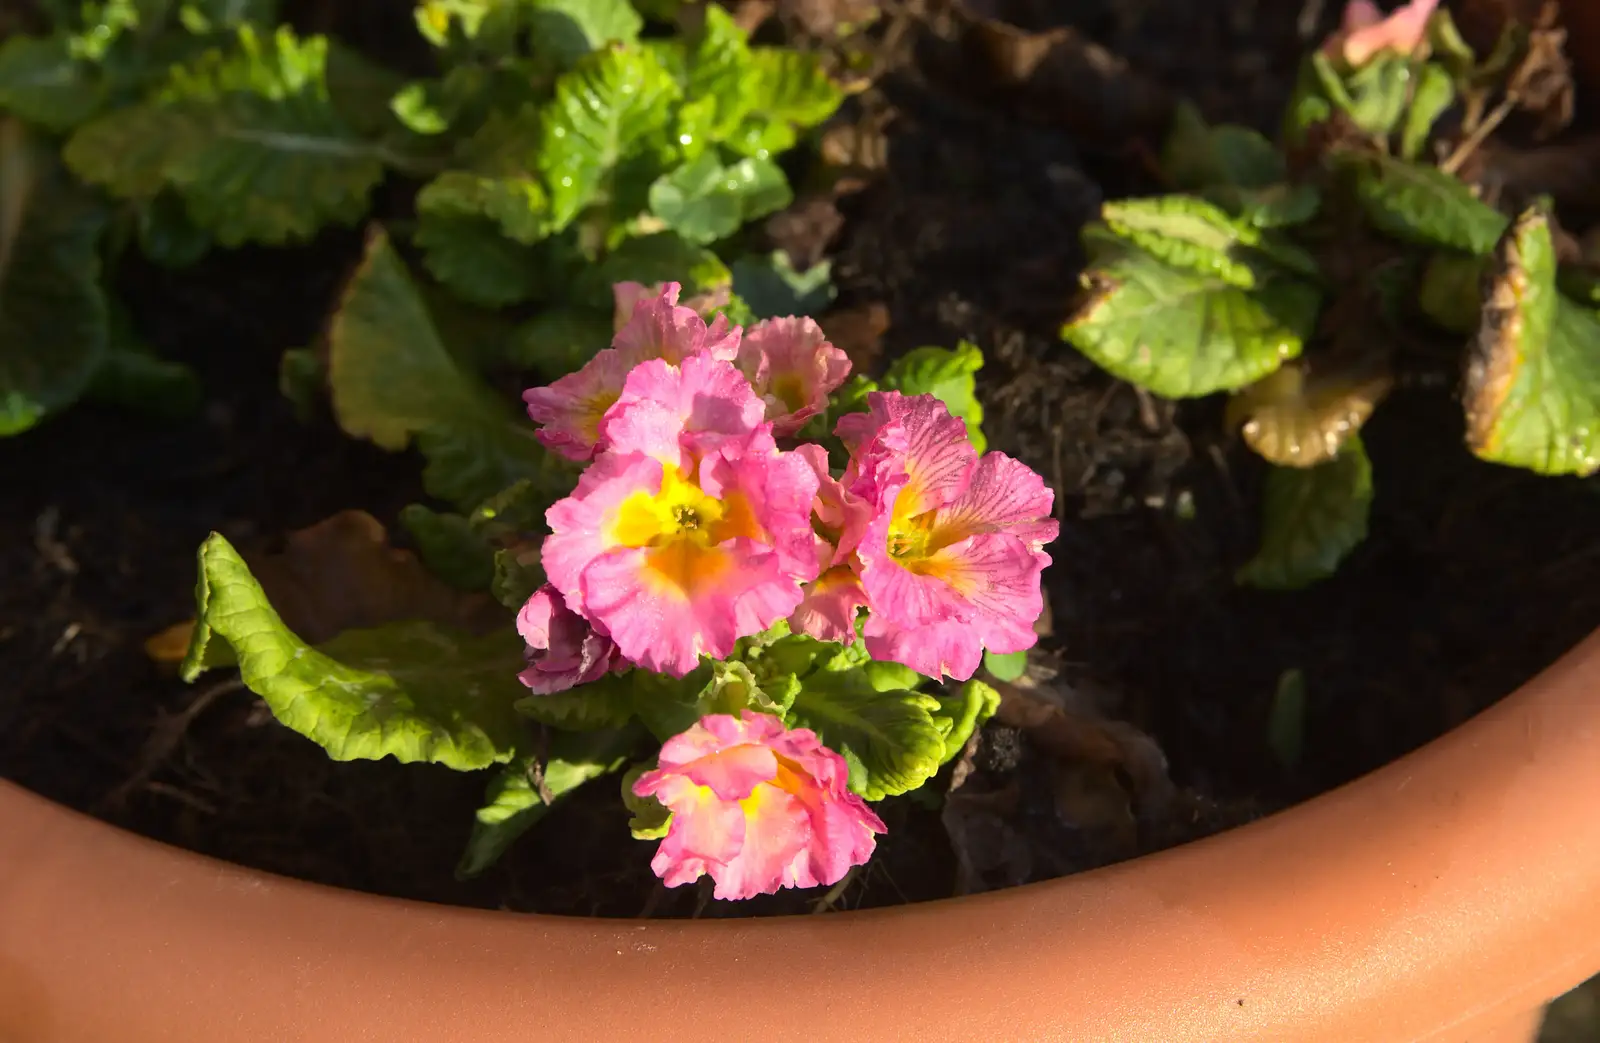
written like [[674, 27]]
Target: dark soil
[[963, 225]]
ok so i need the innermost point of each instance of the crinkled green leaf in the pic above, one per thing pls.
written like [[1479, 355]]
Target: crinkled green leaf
[[612, 102], [1312, 518], [1449, 290], [517, 574], [1188, 232], [413, 691], [1432, 95], [605, 703], [1006, 667], [1280, 205], [450, 546], [1181, 333], [704, 201], [53, 320], [247, 136], [558, 341], [476, 261], [770, 285], [1421, 204], [515, 801], [393, 380], [650, 819], [1375, 95], [649, 259], [966, 709], [1532, 387], [790, 86], [948, 376], [43, 83], [890, 740], [517, 205], [1197, 156], [717, 71]]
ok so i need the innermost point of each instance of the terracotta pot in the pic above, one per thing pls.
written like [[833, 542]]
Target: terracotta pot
[[1443, 898]]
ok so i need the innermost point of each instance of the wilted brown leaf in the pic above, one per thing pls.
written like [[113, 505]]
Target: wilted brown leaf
[[858, 332], [341, 574], [1299, 416]]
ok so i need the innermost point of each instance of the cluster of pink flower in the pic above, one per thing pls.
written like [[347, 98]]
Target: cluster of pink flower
[[690, 528]]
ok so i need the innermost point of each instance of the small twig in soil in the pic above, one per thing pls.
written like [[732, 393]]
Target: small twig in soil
[[181, 796], [826, 902], [169, 730], [49, 545], [68, 635], [1479, 135], [653, 902]]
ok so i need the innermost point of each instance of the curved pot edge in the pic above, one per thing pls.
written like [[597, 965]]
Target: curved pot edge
[[1453, 889]]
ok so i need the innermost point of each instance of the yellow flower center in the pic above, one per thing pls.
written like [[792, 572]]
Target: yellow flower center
[[789, 389], [683, 528]]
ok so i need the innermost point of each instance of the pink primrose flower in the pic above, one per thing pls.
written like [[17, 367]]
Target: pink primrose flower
[[951, 559], [793, 368], [756, 806], [1366, 31]]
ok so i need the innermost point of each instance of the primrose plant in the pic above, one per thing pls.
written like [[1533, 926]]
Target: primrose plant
[[1301, 277], [765, 595]]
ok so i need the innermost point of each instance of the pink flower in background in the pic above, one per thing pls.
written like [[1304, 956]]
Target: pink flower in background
[[564, 650], [951, 559], [793, 368], [661, 328], [756, 806], [569, 409], [1366, 31], [624, 296]]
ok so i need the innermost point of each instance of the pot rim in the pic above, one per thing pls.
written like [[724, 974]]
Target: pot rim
[[1453, 887]]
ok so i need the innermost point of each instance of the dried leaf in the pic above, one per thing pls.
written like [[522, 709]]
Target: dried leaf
[[858, 332], [1299, 416]]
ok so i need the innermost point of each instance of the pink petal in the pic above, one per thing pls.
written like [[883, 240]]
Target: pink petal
[[579, 524], [626, 295], [661, 403], [570, 409], [793, 368], [661, 328], [1003, 495], [912, 436], [828, 610]]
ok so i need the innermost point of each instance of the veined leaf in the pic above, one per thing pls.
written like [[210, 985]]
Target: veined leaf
[[613, 102], [393, 380], [450, 546], [1421, 204], [948, 376], [1299, 417], [1313, 517], [771, 286], [517, 205], [568, 30], [1449, 290], [476, 261], [558, 341], [791, 86], [1181, 333], [649, 259], [53, 320], [413, 691], [650, 818], [1532, 387], [1196, 155], [890, 740], [966, 709], [704, 201], [1191, 233], [248, 137], [1431, 97], [516, 803]]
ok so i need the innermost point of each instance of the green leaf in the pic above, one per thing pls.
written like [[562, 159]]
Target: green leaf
[[393, 380], [1183, 334], [966, 709], [1448, 292], [514, 803], [477, 262], [704, 201], [1007, 667], [771, 287], [248, 137], [41, 82], [53, 320], [300, 380], [1197, 156], [1191, 233], [515, 579], [649, 259], [613, 102], [1280, 205], [717, 76], [790, 86], [948, 376], [1313, 517], [1286, 721], [517, 205], [1421, 204], [450, 546], [132, 376], [1374, 96], [650, 818], [167, 235], [1532, 386], [1432, 95], [606, 703], [568, 30], [890, 740], [559, 341], [413, 691]]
